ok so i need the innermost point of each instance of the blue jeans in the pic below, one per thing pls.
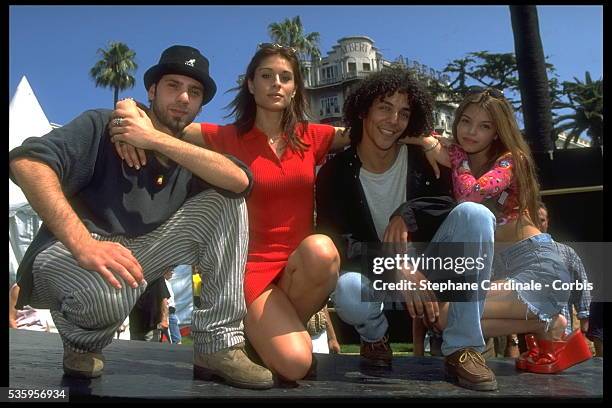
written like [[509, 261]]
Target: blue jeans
[[535, 259], [173, 328], [467, 222]]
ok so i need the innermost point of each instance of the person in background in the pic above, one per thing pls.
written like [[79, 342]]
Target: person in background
[[579, 300], [322, 333], [196, 280], [595, 332], [27, 317], [332, 340], [149, 314], [173, 320]]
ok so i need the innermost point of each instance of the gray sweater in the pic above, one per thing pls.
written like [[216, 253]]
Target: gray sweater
[[108, 196]]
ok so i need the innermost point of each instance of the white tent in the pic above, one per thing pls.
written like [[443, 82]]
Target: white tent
[[26, 119]]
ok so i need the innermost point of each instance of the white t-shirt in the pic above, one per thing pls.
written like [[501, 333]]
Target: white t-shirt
[[171, 298], [385, 191]]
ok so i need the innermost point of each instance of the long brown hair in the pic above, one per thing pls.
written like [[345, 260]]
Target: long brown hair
[[244, 108], [509, 140]]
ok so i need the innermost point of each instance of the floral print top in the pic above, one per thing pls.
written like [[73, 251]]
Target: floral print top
[[496, 188]]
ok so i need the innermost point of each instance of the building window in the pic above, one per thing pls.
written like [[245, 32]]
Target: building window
[[352, 67], [366, 66], [329, 74], [324, 72]]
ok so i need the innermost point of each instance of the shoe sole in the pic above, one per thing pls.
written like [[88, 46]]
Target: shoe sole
[[483, 386], [206, 374], [80, 374], [576, 351]]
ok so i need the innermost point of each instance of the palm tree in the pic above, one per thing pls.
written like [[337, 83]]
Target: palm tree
[[533, 81], [114, 69], [586, 99], [290, 33]]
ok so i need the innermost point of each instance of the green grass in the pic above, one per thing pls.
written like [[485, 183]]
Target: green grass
[[399, 349]]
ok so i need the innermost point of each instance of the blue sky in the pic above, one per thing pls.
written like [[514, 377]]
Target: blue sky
[[55, 46]]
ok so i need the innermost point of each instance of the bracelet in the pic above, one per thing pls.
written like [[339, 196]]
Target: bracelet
[[432, 147]]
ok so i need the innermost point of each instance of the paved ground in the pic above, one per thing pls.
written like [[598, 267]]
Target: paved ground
[[140, 370]]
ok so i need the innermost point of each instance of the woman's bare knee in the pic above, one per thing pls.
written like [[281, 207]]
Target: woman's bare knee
[[320, 248], [293, 364], [320, 257]]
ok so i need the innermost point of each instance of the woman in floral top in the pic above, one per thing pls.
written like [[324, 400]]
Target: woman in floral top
[[492, 164]]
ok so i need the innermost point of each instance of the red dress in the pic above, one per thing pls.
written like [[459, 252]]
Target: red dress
[[281, 204]]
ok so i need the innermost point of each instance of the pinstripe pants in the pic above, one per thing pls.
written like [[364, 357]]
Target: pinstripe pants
[[208, 230]]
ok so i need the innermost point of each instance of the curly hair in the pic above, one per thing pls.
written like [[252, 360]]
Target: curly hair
[[386, 83]]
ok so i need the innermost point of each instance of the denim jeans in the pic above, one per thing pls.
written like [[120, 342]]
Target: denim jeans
[[535, 259], [173, 328], [467, 222]]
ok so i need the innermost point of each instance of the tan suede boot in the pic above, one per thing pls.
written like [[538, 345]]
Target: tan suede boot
[[83, 365], [233, 366]]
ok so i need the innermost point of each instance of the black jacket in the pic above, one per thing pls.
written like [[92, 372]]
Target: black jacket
[[343, 213]]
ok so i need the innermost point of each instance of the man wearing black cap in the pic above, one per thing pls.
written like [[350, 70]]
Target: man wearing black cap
[[109, 228]]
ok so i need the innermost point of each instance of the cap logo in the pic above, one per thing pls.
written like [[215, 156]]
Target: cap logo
[[182, 60]]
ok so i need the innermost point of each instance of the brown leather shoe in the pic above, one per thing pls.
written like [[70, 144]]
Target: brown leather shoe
[[468, 368], [233, 366], [377, 353], [83, 365]]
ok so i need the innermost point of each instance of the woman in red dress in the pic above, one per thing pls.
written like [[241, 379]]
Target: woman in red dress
[[290, 271]]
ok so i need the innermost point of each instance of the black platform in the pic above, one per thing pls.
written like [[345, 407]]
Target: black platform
[[144, 370]]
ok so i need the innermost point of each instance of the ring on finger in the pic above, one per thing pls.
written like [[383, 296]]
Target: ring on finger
[[117, 121]]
